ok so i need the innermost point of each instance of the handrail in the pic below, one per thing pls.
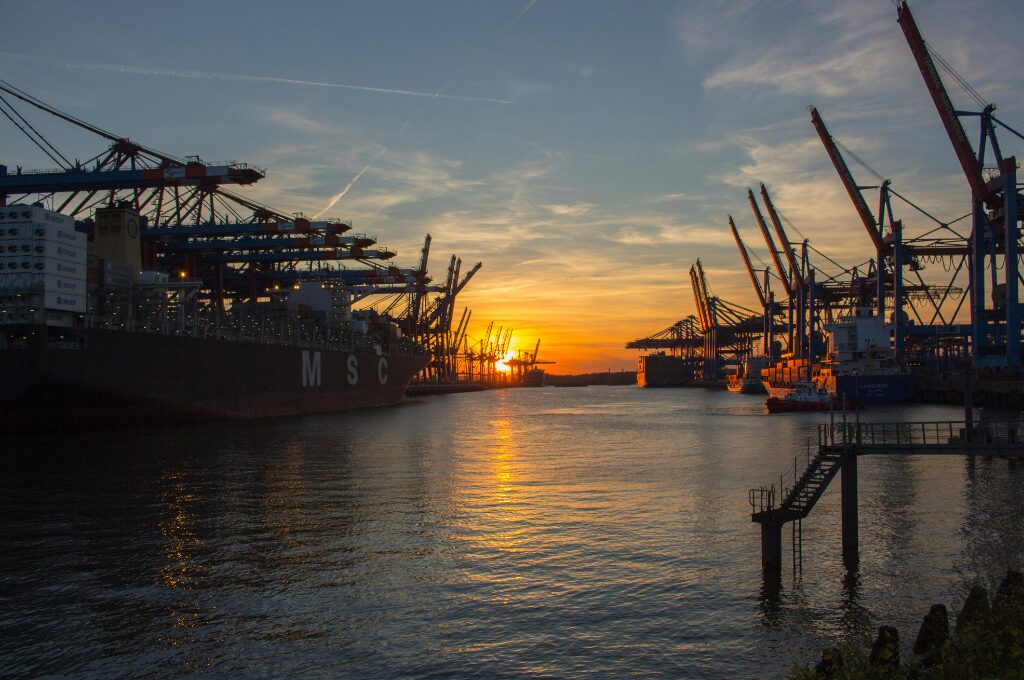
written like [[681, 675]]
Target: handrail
[[913, 433]]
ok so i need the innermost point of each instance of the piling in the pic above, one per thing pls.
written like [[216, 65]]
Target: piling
[[848, 473], [771, 547]]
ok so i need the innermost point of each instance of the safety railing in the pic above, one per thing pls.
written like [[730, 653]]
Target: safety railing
[[933, 433]]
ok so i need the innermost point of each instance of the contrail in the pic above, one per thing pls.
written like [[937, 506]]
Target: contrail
[[238, 77], [341, 194], [520, 15], [337, 197]]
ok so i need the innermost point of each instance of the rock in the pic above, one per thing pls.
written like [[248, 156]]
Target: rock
[[976, 616], [886, 650], [1008, 604], [932, 636], [831, 664]]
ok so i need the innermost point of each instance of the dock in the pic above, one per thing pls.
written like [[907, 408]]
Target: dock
[[840, 445]]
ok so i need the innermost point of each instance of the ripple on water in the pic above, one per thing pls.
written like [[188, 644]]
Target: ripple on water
[[550, 533]]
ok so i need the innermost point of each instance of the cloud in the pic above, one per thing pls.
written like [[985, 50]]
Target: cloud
[[572, 210], [705, 28]]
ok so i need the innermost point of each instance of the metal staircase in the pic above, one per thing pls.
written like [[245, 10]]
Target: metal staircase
[[801, 498], [798, 500]]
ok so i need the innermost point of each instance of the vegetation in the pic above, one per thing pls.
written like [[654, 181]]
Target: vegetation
[[988, 642]]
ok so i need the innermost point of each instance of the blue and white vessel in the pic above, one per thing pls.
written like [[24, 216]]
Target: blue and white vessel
[[862, 365]]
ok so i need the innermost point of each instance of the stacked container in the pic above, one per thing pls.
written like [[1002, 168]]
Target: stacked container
[[42, 266]]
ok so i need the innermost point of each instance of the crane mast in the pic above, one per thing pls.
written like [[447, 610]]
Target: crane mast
[[940, 96], [848, 182], [700, 298], [779, 266], [746, 261], [787, 248], [995, 330]]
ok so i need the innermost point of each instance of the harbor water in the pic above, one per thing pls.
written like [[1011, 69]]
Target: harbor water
[[593, 532]]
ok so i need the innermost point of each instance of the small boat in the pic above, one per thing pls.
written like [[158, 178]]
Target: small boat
[[805, 396]]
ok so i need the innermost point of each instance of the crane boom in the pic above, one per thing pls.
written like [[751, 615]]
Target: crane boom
[[940, 96], [700, 300], [746, 261], [779, 267], [794, 267], [847, 177]]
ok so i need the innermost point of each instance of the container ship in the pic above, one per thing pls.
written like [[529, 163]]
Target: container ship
[[780, 379], [861, 366], [663, 370], [87, 339]]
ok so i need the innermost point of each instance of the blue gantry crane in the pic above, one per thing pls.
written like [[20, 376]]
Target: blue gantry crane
[[993, 263]]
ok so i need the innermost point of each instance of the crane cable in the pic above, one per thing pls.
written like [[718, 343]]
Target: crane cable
[[35, 136]]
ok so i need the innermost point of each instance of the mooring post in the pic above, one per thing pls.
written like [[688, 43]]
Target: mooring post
[[968, 400], [771, 547], [849, 502]]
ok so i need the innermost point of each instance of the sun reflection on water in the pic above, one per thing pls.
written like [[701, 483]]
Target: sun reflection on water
[[181, 571], [507, 533]]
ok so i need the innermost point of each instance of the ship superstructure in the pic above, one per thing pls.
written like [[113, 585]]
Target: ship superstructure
[[862, 364]]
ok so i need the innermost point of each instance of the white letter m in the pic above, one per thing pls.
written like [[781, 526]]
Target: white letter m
[[310, 369]]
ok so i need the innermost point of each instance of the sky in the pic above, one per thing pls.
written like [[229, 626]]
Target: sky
[[586, 151]]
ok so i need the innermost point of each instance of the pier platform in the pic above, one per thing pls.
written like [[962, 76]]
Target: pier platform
[[840, 444]]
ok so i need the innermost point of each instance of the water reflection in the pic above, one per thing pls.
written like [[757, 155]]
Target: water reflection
[[601, 532], [508, 533], [181, 570], [992, 525]]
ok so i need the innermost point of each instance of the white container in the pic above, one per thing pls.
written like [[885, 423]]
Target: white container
[[75, 271], [22, 214], [61, 251], [21, 282], [63, 301], [19, 264], [15, 264], [12, 232], [58, 284], [59, 234], [24, 248]]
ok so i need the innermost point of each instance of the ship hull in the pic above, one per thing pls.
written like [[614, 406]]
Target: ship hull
[[874, 389], [120, 378], [658, 370], [795, 406]]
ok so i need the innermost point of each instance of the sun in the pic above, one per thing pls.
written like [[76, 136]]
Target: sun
[[502, 365]]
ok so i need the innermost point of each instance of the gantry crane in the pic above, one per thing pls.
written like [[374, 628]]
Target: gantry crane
[[728, 329], [765, 296], [233, 249], [896, 254], [995, 234]]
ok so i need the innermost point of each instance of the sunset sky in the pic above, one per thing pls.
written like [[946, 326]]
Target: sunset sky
[[586, 151]]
